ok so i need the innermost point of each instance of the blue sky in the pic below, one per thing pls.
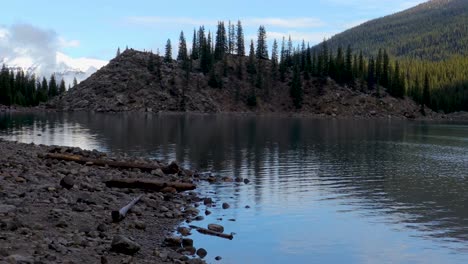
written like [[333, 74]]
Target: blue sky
[[95, 29]]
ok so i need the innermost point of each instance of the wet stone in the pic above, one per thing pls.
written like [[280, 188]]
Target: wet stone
[[201, 252], [226, 205], [216, 228]]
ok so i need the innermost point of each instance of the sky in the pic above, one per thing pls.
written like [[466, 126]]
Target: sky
[[94, 29]]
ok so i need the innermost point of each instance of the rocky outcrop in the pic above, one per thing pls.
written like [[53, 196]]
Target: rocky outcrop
[[128, 84]]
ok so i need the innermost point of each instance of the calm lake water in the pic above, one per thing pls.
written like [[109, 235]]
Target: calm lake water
[[321, 191]]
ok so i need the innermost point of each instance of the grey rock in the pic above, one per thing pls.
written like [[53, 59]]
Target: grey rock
[[6, 208], [121, 244], [102, 228], [20, 259], [199, 218], [246, 181], [218, 258], [67, 182], [140, 225], [207, 212], [226, 205]]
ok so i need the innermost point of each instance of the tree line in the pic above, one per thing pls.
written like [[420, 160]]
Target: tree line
[[19, 88], [440, 85]]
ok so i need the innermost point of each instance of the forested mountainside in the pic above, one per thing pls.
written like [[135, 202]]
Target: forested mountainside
[[434, 30]]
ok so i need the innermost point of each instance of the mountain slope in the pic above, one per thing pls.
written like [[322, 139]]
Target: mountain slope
[[434, 30]]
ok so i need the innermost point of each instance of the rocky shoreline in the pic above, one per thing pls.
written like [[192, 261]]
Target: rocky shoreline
[[56, 211]]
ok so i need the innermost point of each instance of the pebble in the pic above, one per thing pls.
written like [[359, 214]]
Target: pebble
[[184, 231], [140, 225], [201, 252], [199, 218], [173, 241], [207, 212], [207, 201], [218, 258], [225, 206], [121, 244], [246, 181]]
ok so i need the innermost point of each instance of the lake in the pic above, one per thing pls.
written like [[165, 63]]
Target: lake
[[320, 191]]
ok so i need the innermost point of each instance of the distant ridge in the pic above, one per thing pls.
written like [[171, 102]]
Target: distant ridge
[[434, 30]]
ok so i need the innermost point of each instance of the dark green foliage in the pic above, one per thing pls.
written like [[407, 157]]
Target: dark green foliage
[[220, 42], [435, 30], [75, 82], [262, 47], [240, 39], [21, 89], [251, 65], [296, 91], [371, 74], [195, 46], [426, 98], [215, 81], [118, 52], [62, 87], [53, 88], [168, 53], [274, 61], [182, 53]]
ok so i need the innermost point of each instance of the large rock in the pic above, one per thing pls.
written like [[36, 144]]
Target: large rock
[[67, 182], [121, 244]]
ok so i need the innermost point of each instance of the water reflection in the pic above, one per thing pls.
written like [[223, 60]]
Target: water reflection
[[371, 190]]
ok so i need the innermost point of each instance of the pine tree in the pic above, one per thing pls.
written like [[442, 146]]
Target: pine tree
[[220, 42], [240, 40], [75, 82], [426, 91], [378, 67], [118, 52], [168, 53], [53, 89], [195, 46], [371, 74], [296, 91], [62, 87], [45, 90], [251, 69], [361, 65], [274, 60], [151, 63], [182, 55], [348, 67], [385, 70], [262, 47]]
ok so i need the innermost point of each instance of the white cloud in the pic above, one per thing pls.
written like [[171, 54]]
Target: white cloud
[[39, 50], [296, 36], [155, 21], [68, 43], [303, 22], [367, 5]]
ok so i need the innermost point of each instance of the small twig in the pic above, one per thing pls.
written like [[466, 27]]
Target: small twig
[[119, 215]]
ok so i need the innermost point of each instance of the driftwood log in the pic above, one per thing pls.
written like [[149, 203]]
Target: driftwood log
[[119, 215], [211, 232], [169, 169], [153, 185]]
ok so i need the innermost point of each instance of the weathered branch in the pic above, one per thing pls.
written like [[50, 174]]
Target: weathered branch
[[149, 184], [119, 215], [211, 232], [170, 169]]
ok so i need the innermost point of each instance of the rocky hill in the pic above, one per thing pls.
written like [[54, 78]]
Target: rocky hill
[[127, 84]]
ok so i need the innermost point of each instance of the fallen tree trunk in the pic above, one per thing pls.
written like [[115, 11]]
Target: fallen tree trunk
[[149, 184], [211, 232], [119, 215], [171, 168]]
